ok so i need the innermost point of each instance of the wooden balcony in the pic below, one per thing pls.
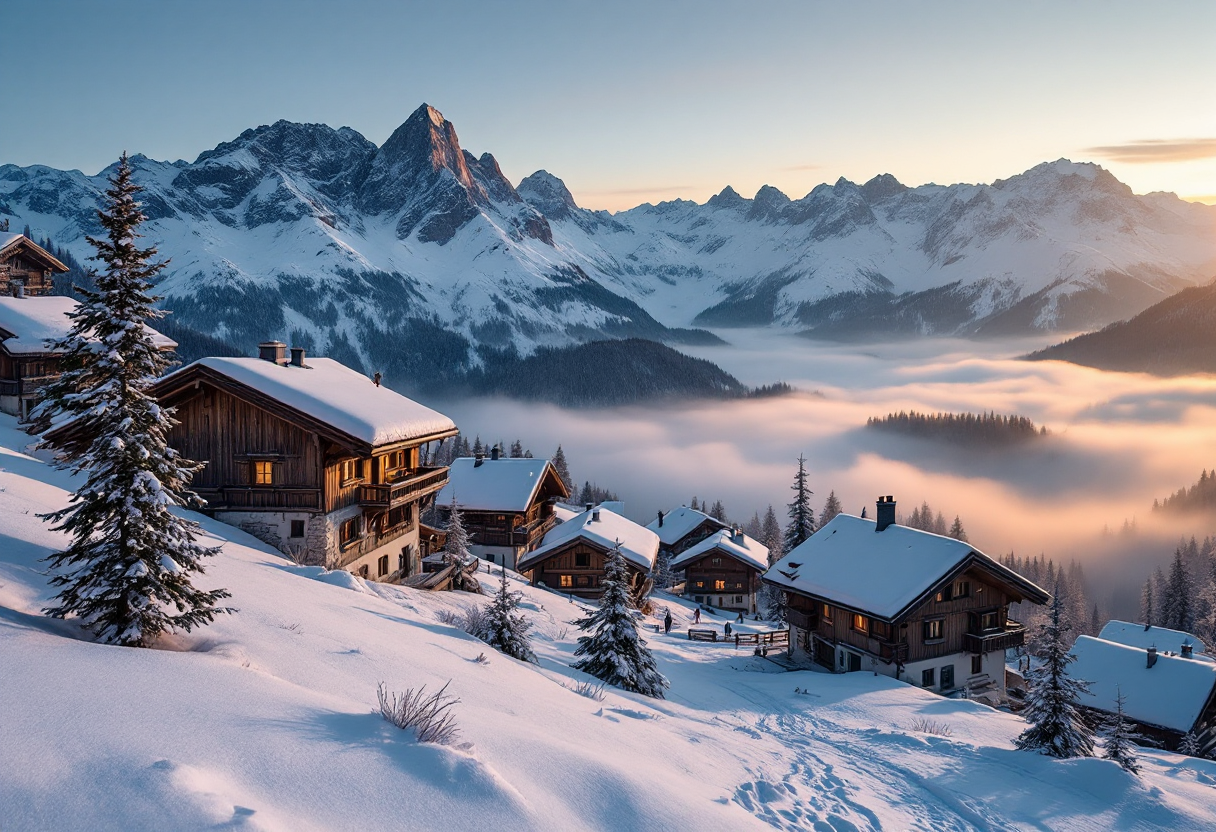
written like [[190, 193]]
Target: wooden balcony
[[27, 386], [801, 620], [1014, 635], [418, 484], [261, 497]]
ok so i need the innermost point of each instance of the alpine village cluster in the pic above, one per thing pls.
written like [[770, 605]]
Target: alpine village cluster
[[336, 470]]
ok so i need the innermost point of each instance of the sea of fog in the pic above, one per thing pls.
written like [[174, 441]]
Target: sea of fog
[[1118, 440]]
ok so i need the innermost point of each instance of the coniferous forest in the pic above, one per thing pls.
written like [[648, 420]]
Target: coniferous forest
[[974, 429]]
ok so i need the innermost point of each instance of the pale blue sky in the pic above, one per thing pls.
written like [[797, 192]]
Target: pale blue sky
[[636, 101]]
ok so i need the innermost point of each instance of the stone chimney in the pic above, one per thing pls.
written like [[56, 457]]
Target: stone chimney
[[273, 351], [1152, 656], [589, 506], [660, 519], [1188, 650], [595, 515], [495, 453], [885, 514], [478, 459], [297, 356]]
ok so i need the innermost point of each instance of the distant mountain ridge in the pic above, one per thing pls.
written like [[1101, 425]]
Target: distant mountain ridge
[[417, 257]]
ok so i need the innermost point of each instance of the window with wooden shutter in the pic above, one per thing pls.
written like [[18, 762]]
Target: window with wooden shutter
[[263, 472]]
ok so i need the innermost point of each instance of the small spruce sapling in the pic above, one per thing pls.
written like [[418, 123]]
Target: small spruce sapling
[[1120, 736], [613, 652], [127, 572], [506, 630], [1056, 727], [1190, 744], [457, 545]]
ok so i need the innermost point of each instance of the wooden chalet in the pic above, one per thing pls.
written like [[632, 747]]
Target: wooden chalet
[[876, 596], [682, 528], [28, 361], [507, 505], [309, 456], [26, 268], [1166, 694], [572, 556], [723, 570]]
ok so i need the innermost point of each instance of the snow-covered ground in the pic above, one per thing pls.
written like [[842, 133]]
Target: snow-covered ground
[[264, 721]]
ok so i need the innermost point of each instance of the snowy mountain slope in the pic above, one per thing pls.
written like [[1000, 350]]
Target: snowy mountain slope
[[408, 256], [263, 721]]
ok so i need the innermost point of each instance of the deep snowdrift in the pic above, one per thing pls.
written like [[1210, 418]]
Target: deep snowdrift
[[264, 721]]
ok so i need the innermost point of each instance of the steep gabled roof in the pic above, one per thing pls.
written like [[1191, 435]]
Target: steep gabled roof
[[26, 324], [498, 484], [1137, 635], [1171, 694], [679, 522], [740, 547], [639, 545], [10, 241], [884, 573], [327, 393]]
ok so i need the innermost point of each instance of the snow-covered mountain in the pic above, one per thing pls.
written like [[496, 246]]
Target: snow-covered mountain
[[409, 256]]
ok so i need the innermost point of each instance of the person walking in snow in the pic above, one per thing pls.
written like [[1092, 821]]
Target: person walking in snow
[[667, 622], [696, 616], [740, 618], [726, 629]]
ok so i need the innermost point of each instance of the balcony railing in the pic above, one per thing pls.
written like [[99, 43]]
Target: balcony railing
[[386, 495], [1013, 635], [801, 620], [261, 497]]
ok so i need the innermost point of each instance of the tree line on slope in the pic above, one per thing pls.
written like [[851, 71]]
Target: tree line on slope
[[1199, 497], [978, 429], [1184, 598]]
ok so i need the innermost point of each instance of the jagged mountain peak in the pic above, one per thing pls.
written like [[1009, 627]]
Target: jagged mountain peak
[[882, 186], [728, 197], [547, 194]]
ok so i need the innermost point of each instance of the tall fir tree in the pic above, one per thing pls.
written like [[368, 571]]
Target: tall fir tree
[[772, 537], [507, 630], [127, 573], [1176, 609], [831, 507], [718, 511], [661, 573], [801, 515], [753, 528], [1056, 727], [1147, 611], [695, 506], [563, 470], [517, 450], [477, 446], [614, 652], [1120, 737], [457, 544], [957, 531]]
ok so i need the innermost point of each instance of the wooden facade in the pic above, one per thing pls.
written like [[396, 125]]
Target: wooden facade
[[722, 580], [703, 530], [298, 483], [578, 567], [25, 267]]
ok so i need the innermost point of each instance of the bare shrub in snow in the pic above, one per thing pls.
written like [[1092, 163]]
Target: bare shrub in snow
[[929, 726], [429, 717], [474, 621], [591, 690], [482, 658]]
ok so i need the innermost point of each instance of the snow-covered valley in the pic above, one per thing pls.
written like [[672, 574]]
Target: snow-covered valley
[[265, 720]]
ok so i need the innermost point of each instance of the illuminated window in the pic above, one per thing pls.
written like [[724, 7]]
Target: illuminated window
[[827, 613], [860, 623], [719, 585], [565, 580], [263, 472], [700, 584]]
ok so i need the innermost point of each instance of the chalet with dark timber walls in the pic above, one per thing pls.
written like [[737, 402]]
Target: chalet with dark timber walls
[[1168, 690], [507, 504], [27, 359], [309, 456], [572, 556], [26, 268], [683, 527], [723, 570], [876, 596]]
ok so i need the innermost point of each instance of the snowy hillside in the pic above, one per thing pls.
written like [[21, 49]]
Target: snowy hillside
[[264, 721], [408, 256]]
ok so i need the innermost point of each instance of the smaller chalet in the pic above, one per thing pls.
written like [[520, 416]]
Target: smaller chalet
[[1167, 696], [683, 527], [310, 456], [723, 570], [1145, 636], [507, 504], [571, 558], [26, 268], [873, 595], [27, 361]]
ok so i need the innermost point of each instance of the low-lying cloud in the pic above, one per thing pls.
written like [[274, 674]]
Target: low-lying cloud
[[1148, 151]]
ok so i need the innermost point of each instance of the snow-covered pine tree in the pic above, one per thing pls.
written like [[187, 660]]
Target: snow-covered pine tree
[[614, 652], [1147, 613], [661, 573], [563, 469], [831, 507], [457, 544], [771, 536], [1176, 611], [695, 506], [957, 531], [127, 572], [517, 450], [753, 528], [718, 511], [802, 516], [1120, 737], [477, 446], [506, 630], [1190, 744], [1056, 727]]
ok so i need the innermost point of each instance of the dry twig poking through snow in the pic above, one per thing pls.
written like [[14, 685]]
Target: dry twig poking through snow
[[429, 717]]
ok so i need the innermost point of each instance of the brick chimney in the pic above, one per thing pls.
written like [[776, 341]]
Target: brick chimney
[[478, 459], [495, 452], [885, 514], [297, 356], [1152, 656], [595, 515], [273, 351]]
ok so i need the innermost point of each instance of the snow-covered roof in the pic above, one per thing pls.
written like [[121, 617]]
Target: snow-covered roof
[[1137, 635], [1170, 694], [10, 238], [335, 394], [564, 512], [678, 522], [740, 546], [7, 238], [639, 545], [495, 484], [26, 324], [849, 563]]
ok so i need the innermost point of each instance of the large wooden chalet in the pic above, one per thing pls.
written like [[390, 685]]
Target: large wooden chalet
[[309, 456], [507, 505], [876, 596], [723, 570], [26, 268], [682, 528], [573, 555]]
